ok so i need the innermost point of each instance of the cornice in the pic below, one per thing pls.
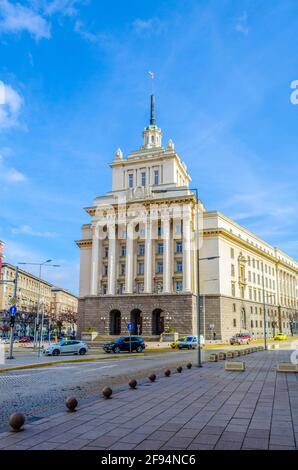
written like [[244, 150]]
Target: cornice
[[84, 243], [209, 233]]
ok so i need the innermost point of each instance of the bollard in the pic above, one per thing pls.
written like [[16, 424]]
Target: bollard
[[167, 372], [179, 369], [152, 377], [16, 421], [71, 403], [213, 358], [107, 392], [132, 383], [221, 355], [189, 365]]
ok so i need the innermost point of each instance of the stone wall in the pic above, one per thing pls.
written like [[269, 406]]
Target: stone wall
[[177, 310]]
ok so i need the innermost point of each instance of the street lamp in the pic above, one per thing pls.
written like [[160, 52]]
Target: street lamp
[[38, 297], [195, 190]]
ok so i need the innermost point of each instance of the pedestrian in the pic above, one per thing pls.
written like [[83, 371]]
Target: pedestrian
[[214, 335]]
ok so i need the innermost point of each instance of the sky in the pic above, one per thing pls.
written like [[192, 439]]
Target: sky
[[74, 74]]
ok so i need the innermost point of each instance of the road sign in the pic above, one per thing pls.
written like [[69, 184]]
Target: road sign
[[13, 310], [130, 326]]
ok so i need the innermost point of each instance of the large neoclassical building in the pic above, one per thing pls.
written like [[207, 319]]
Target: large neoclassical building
[[139, 257]]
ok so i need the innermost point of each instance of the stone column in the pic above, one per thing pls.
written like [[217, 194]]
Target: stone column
[[129, 259], [94, 262], [186, 253], [148, 258], [112, 260], [167, 258]]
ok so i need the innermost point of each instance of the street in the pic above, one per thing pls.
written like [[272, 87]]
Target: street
[[39, 390]]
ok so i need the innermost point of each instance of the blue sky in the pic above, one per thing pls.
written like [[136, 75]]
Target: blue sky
[[77, 87]]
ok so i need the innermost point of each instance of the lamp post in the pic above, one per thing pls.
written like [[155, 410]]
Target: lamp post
[[195, 190], [38, 296]]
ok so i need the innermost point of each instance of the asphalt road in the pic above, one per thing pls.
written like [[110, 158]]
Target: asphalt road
[[38, 391]]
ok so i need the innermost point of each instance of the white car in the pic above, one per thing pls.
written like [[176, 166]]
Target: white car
[[66, 347]]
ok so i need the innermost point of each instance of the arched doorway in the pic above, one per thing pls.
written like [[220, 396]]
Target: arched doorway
[[115, 322], [158, 325], [136, 319]]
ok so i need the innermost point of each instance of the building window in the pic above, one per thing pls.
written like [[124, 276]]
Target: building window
[[156, 177], [232, 253], [130, 180], [105, 269], [261, 323], [160, 248], [179, 229], [160, 230], [159, 267], [141, 268], [143, 179], [234, 307], [122, 269], [251, 323], [179, 266], [234, 322], [178, 247], [106, 252], [233, 289], [179, 286], [123, 250], [141, 250], [232, 270], [104, 289]]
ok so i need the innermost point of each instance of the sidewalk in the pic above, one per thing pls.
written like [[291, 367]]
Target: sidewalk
[[204, 408]]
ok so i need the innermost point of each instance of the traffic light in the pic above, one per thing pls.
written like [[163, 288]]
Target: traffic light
[[11, 323]]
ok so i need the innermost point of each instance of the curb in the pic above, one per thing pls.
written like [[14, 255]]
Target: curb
[[67, 361]]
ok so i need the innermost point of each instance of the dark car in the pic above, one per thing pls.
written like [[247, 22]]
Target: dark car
[[125, 343]]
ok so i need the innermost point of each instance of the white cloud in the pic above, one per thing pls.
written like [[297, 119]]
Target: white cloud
[[15, 18], [80, 28], [152, 25], [10, 175], [27, 230], [241, 24], [10, 105]]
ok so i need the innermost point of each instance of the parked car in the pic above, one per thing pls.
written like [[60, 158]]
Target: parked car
[[125, 343], [25, 339], [66, 347], [241, 338], [175, 344], [4, 340], [280, 337], [191, 342]]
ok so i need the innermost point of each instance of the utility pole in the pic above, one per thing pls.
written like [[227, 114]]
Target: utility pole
[[12, 316]]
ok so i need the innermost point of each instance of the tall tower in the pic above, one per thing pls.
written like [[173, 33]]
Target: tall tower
[[152, 134]]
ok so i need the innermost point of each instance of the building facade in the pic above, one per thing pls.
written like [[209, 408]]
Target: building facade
[[139, 257], [57, 305]]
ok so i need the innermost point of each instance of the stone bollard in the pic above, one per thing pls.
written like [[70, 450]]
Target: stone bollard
[[189, 365], [133, 383], [179, 369], [221, 356], [229, 355], [16, 421], [71, 403], [152, 377], [213, 358], [167, 372], [107, 392]]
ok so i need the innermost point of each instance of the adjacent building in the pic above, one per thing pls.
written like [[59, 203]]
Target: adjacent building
[[58, 306], [139, 257]]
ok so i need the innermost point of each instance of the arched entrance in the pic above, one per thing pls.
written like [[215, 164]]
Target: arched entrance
[[136, 319], [158, 325], [115, 322]]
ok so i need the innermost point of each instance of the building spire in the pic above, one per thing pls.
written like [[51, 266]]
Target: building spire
[[152, 111]]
